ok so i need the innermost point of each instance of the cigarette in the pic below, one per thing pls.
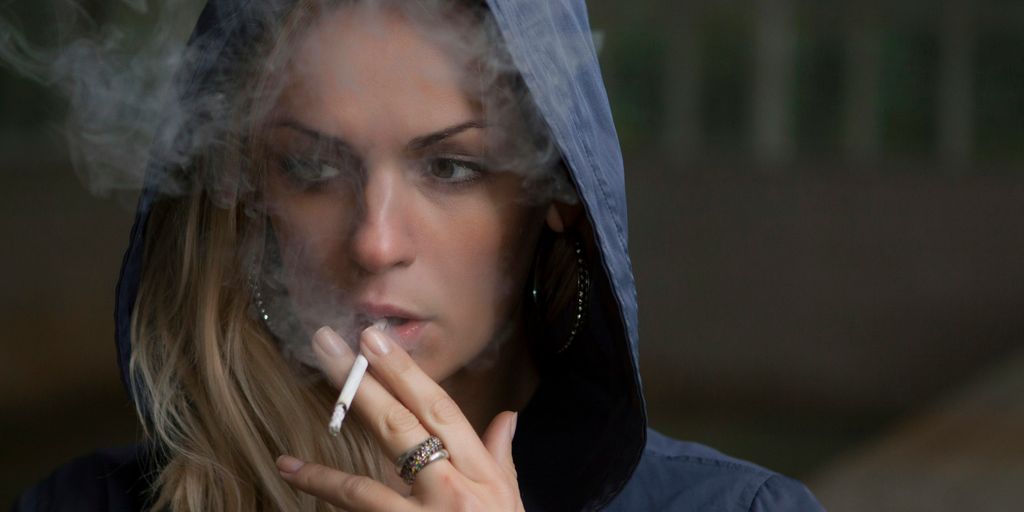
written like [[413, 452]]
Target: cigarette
[[348, 391]]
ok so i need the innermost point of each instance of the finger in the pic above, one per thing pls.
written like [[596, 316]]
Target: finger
[[395, 369], [334, 355], [498, 440], [395, 427], [351, 492]]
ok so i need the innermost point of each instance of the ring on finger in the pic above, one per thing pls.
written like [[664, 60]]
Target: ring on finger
[[410, 463]]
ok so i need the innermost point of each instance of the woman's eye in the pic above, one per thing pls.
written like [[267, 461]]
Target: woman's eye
[[309, 172], [452, 170]]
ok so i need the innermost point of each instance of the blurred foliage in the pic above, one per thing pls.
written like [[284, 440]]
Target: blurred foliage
[[910, 40]]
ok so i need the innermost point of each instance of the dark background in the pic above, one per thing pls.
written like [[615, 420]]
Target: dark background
[[826, 214]]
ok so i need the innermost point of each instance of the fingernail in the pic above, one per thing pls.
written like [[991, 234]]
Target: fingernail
[[515, 423], [328, 340], [376, 341], [289, 464]]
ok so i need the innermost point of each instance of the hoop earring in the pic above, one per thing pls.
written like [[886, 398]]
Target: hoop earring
[[256, 288], [579, 313], [582, 296]]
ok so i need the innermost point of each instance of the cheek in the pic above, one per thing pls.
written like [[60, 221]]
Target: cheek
[[485, 261], [309, 232]]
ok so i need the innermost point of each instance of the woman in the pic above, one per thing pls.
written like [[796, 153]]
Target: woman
[[447, 167]]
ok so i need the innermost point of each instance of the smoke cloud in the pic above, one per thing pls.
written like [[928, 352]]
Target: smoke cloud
[[145, 104], [117, 80]]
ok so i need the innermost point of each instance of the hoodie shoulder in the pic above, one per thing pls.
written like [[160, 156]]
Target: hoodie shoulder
[[682, 476], [105, 480]]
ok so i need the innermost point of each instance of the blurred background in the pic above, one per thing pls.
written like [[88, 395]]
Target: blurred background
[[827, 229]]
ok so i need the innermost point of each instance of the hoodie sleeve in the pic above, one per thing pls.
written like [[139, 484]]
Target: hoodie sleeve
[[782, 494]]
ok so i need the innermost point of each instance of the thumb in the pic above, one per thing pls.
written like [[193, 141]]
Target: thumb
[[498, 439]]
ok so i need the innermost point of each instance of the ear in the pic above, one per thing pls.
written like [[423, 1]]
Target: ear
[[561, 216]]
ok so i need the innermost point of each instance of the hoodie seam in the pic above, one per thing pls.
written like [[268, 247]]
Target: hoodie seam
[[705, 461], [760, 488], [602, 185]]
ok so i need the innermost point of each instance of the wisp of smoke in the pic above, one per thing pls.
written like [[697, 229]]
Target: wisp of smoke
[[142, 108]]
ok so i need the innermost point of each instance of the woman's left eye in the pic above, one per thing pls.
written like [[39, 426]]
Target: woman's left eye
[[453, 170]]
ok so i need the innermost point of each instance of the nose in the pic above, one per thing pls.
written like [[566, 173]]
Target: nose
[[382, 238]]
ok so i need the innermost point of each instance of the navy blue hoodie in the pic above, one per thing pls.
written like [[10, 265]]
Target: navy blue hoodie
[[582, 443]]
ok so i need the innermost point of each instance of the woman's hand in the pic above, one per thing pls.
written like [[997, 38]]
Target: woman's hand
[[478, 475]]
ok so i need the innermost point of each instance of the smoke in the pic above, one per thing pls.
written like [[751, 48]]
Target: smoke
[[294, 299], [138, 97], [147, 107], [116, 80]]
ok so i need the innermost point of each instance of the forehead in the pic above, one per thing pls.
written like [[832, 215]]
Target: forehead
[[365, 69]]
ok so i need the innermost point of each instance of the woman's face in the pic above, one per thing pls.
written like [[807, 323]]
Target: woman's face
[[384, 189]]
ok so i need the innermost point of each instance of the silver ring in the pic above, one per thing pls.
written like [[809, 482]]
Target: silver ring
[[414, 460], [436, 456]]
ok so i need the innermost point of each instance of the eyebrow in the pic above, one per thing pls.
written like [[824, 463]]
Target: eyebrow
[[416, 144], [315, 135], [425, 141]]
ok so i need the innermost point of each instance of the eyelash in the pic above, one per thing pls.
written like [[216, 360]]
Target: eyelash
[[299, 171], [475, 169]]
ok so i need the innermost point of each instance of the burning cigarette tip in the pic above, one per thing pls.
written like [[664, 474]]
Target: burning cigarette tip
[[337, 418], [348, 392]]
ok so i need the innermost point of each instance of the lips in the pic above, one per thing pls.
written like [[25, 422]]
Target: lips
[[404, 327]]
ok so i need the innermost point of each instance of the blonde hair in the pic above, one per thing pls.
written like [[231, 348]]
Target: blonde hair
[[215, 396]]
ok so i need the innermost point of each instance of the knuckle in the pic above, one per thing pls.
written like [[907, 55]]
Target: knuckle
[[354, 486], [310, 475], [510, 491], [459, 496], [401, 365], [397, 420], [444, 411], [450, 484], [466, 502], [508, 495]]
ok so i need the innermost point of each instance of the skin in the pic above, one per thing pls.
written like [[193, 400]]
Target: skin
[[387, 188]]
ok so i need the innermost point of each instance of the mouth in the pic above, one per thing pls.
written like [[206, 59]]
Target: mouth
[[404, 327], [394, 322]]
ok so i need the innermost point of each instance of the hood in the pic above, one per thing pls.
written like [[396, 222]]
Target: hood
[[581, 436]]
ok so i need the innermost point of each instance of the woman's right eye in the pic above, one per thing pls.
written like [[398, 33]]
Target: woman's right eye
[[308, 173]]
